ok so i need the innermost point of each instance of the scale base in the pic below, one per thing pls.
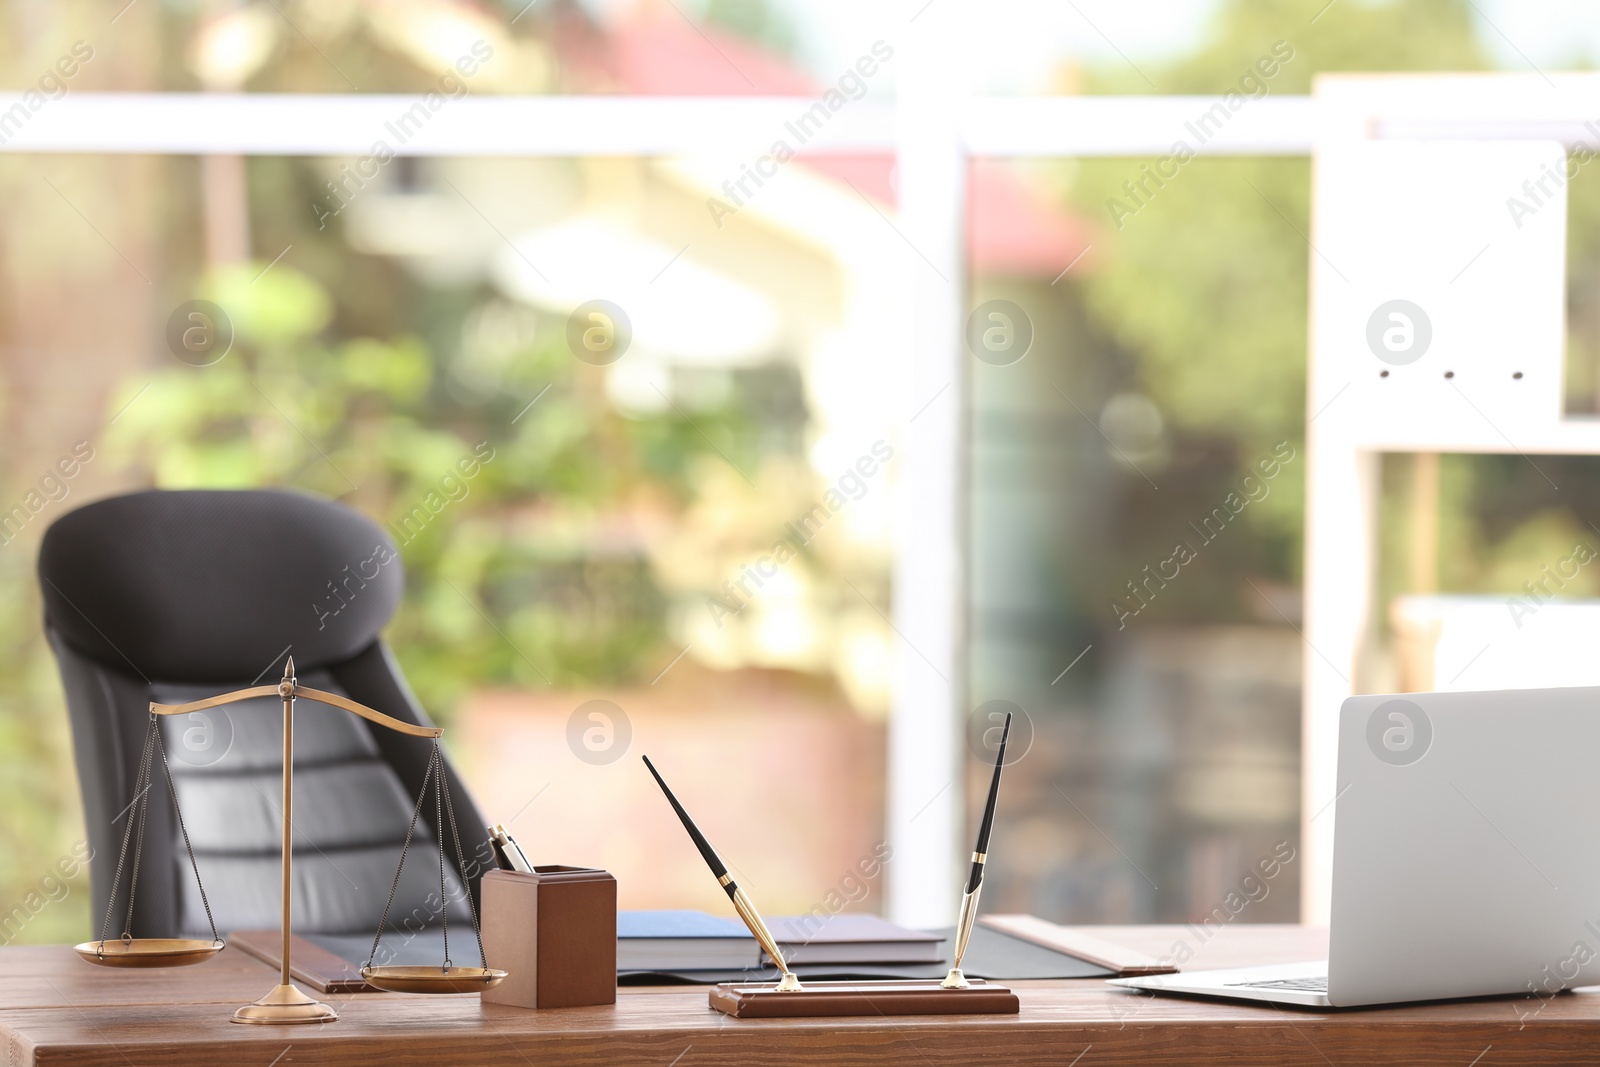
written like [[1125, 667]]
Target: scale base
[[285, 1004], [764, 1000]]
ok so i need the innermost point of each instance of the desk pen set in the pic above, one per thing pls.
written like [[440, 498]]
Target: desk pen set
[[788, 997]]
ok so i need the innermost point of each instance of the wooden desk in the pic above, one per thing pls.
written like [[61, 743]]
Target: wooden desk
[[56, 1009]]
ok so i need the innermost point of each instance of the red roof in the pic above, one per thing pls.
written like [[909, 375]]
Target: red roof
[[653, 50]]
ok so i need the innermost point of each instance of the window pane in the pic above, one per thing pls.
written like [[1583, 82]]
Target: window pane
[[640, 467], [1135, 516]]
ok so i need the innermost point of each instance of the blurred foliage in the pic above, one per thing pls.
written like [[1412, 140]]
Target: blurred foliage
[[1503, 518], [1353, 37], [1203, 279], [371, 46], [759, 21], [1206, 283], [507, 582], [1203, 288], [36, 795], [1583, 287]]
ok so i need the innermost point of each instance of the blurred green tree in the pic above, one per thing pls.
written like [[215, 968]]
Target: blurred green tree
[[1205, 284], [506, 585]]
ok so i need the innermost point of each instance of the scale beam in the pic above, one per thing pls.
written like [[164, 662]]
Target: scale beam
[[290, 689]]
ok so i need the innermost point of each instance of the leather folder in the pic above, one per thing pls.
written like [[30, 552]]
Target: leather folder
[[1122, 961], [309, 963]]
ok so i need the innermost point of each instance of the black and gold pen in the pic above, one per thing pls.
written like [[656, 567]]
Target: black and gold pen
[[980, 855], [741, 902]]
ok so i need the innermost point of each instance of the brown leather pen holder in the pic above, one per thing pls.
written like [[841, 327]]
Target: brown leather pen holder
[[554, 933]]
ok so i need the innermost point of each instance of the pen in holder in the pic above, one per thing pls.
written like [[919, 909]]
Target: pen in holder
[[742, 904], [980, 856]]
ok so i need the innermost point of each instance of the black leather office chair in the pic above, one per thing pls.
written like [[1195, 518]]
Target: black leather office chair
[[175, 596]]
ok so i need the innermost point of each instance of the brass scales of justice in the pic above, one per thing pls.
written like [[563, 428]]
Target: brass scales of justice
[[285, 1003]]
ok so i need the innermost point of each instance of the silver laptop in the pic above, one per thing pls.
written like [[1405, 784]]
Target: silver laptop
[[1466, 857]]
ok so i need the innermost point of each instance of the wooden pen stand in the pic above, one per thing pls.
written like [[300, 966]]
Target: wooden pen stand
[[762, 1000], [554, 933]]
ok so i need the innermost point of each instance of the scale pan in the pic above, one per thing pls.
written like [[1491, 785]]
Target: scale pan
[[432, 979], [148, 951]]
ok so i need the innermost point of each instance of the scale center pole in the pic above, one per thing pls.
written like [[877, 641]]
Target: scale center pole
[[288, 817], [286, 1004]]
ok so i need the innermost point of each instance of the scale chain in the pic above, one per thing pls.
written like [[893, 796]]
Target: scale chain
[[461, 866], [139, 811], [444, 812], [139, 789], [147, 781], [422, 795], [438, 820], [172, 789]]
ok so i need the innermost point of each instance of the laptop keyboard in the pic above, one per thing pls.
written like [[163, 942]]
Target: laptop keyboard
[[1314, 984]]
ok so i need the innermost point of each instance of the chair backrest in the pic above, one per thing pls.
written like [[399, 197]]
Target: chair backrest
[[174, 596]]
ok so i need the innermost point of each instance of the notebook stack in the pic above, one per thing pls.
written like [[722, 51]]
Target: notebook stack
[[694, 940]]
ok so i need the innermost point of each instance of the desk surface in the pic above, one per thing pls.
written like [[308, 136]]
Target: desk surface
[[56, 1009]]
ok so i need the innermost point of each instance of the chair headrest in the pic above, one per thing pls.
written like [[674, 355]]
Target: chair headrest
[[217, 585]]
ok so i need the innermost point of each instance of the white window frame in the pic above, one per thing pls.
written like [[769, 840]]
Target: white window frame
[[933, 128]]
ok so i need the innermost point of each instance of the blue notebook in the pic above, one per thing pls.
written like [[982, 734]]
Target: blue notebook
[[693, 940], [683, 940]]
